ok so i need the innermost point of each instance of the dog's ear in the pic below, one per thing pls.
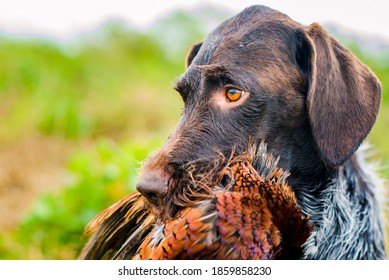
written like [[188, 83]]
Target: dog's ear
[[192, 53], [343, 95]]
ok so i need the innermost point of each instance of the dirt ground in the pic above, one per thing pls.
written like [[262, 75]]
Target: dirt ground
[[28, 167]]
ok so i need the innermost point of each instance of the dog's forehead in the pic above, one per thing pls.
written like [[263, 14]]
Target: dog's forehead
[[250, 19], [256, 26]]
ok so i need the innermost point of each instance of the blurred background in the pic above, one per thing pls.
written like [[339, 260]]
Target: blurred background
[[86, 94]]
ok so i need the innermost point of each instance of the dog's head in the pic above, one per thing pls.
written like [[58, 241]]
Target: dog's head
[[263, 76]]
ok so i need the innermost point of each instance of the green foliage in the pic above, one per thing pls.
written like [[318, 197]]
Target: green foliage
[[55, 93], [96, 179]]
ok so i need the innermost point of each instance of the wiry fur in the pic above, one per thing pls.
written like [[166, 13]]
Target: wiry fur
[[346, 214]]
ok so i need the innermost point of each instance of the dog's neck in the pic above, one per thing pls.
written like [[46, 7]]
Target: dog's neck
[[345, 212], [301, 159]]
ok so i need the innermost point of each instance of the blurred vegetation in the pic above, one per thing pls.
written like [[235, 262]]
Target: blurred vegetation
[[107, 99]]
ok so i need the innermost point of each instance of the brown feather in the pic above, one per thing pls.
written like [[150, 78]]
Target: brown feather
[[113, 226]]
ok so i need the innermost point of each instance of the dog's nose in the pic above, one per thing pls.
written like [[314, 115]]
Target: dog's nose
[[153, 186]]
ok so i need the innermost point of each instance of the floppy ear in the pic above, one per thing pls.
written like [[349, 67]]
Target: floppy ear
[[343, 96], [192, 53]]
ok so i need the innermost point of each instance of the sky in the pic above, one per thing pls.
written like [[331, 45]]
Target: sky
[[66, 19]]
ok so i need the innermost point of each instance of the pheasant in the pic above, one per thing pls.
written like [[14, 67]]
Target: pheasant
[[249, 212]]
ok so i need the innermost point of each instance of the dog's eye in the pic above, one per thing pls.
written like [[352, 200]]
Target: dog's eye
[[234, 94]]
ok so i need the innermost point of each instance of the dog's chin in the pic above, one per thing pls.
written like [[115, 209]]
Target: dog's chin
[[168, 208], [166, 213]]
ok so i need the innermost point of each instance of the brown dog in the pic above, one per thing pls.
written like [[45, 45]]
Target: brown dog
[[261, 75]]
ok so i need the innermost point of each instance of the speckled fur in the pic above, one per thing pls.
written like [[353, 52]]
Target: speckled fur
[[346, 213]]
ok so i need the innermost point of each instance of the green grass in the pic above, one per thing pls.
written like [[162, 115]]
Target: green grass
[[96, 178]]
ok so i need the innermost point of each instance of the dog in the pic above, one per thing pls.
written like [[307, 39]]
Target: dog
[[260, 75]]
